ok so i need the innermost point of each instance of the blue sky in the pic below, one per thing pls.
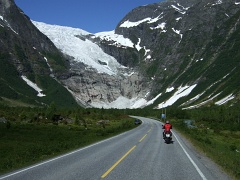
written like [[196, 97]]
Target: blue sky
[[90, 15]]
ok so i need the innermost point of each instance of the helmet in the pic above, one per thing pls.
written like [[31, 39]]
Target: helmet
[[167, 122]]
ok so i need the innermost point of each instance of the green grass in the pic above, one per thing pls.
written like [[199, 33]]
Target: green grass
[[24, 143], [222, 146], [13, 103]]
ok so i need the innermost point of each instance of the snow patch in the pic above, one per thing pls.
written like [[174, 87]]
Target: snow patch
[[155, 19], [160, 26], [138, 47], [218, 2], [33, 85], [51, 70], [177, 19], [169, 89], [183, 7], [119, 40], [152, 100], [131, 74], [148, 57], [111, 36], [181, 92], [129, 24], [202, 103], [225, 100], [178, 9], [178, 32], [199, 60], [1, 17]]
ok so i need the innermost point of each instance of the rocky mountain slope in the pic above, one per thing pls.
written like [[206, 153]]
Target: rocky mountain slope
[[28, 56], [190, 50], [183, 53]]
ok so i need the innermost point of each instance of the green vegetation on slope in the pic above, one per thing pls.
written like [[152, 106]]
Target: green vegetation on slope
[[15, 89], [55, 92]]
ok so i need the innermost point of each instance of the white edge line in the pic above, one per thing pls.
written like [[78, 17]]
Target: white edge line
[[45, 162], [194, 164]]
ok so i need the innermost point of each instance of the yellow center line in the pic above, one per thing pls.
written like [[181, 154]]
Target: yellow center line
[[125, 155], [142, 138]]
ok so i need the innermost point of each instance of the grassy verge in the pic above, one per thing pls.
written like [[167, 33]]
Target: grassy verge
[[222, 146], [23, 144]]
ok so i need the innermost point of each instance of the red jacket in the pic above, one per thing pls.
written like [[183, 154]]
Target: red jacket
[[167, 127]]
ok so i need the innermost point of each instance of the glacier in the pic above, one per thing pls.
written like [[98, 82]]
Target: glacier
[[73, 42]]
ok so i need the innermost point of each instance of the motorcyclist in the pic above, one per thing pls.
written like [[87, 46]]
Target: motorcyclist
[[167, 126]]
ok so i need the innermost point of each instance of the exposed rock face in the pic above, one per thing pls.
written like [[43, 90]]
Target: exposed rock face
[[93, 89]]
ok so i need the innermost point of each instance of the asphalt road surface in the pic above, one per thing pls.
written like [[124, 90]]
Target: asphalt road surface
[[139, 154]]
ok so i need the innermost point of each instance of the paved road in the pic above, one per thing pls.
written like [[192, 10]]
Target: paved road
[[139, 154]]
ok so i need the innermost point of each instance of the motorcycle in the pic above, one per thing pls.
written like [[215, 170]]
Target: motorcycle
[[168, 137]]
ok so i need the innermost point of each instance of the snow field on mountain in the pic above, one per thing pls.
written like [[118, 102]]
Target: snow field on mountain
[[119, 39], [71, 41]]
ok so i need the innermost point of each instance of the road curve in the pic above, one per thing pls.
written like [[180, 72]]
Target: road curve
[[139, 154]]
